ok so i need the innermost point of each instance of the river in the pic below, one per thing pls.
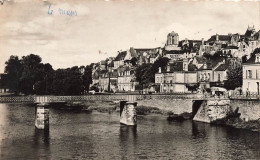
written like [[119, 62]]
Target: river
[[92, 135]]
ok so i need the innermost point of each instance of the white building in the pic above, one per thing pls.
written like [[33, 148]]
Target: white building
[[251, 75]]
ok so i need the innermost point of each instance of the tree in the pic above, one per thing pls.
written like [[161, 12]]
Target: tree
[[13, 69], [87, 77], [43, 86], [144, 74], [234, 76], [31, 73]]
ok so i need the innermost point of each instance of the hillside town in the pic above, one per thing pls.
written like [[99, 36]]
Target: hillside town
[[199, 64], [221, 63]]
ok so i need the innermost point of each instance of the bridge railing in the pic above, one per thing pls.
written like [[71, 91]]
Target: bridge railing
[[113, 97], [252, 95], [18, 99]]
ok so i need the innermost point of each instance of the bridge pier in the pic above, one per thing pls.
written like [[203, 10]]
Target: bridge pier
[[42, 116], [128, 113]]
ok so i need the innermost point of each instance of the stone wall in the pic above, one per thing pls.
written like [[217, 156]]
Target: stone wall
[[177, 106], [249, 109], [211, 110]]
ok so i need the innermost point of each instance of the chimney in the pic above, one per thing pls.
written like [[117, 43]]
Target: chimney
[[217, 37], [202, 41], [257, 58], [160, 70], [205, 66], [168, 68], [160, 50]]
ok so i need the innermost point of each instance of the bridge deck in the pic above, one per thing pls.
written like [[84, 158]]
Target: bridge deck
[[115, 97]]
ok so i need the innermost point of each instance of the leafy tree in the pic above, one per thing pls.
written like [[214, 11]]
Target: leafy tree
[[31, 73], [73, 83], [43, 86], [87, 77], [144, 75], [13, 69], [234, 76]]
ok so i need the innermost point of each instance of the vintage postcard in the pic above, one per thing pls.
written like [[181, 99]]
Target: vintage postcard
[[129, 79]]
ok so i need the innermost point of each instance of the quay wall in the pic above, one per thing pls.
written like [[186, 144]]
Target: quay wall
[[249, 109], [177, 106], [211, 110]]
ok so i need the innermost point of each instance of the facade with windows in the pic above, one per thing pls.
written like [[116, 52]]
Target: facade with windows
[[176, 78], [251, 75]]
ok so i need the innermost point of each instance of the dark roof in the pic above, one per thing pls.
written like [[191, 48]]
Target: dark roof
[[121, 56], [201, 59], [173, 52], [178, 66], [192, 67], [220, 37], [111, 64], [231, 47], [222, 67], [206, 66], [251, 60], [249, 32]]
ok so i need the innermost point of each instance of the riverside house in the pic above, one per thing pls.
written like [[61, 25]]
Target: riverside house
[[251, 75]]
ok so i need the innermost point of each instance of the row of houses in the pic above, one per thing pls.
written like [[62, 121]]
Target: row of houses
[[188, 65]]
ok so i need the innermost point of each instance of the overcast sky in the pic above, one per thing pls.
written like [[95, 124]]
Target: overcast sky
[[100, 28]]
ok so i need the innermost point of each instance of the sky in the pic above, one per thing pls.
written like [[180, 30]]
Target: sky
[[99, 29]]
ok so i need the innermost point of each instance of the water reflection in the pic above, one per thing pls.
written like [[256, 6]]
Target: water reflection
[[198, 130], [83, 135], [128, 140], [128, 132], [41, 137]]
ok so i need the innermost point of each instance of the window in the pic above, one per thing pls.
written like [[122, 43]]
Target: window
[[219, 77], [249, 73]]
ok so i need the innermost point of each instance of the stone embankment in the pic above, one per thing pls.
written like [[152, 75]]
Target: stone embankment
[[235, 113], [243, 114]]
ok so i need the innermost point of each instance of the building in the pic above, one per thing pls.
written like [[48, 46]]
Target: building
[[220, 74], [126, 79], [177, 77], [172, 42], [251, 75]]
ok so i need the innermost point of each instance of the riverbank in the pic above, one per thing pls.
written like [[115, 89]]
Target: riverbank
[[237, 122], [109, 107]]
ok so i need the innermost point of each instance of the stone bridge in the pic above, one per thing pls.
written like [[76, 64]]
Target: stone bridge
[[113, 97]]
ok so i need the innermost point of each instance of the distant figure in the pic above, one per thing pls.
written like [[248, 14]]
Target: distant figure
[[247, 92], [240, 91]]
